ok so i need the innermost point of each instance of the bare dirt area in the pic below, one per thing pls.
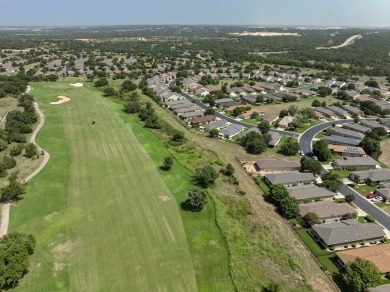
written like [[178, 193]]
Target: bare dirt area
[[385, 157], [76, 84], [348, 42], [62, 99], [265, 33]]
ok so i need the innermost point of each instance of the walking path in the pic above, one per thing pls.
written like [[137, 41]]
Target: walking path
[[6, 207]]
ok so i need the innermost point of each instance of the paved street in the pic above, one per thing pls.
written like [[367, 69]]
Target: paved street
[[368, 207]]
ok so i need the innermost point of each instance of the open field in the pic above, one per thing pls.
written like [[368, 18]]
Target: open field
[[100, 210], [261, 244]]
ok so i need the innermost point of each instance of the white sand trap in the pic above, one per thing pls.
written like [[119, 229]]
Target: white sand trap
[[62, 99], [76, 84]]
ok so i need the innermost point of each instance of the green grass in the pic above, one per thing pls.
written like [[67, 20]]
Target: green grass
[[307, 126], [104, 216], [364, 190], [341, 172], [322, 255]]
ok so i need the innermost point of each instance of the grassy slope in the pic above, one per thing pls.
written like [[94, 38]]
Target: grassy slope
[[96, 206]]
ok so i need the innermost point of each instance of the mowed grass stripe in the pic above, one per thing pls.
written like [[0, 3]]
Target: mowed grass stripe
[[126, 238]]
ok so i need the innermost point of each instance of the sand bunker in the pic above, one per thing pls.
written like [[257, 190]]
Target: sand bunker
[[76, 84], [62, 99]]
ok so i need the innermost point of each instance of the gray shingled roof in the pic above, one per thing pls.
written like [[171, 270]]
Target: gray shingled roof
[[357, 128], [216, 124], [347, 231], [276, 163], [382, 288], [232, 130], [326, 209], [364, 161], [384, 193], [289, 177], [309, 192], [374, 175], [338, 140], [348, 133]]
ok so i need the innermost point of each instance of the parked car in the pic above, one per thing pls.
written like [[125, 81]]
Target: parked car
[[315, 158]]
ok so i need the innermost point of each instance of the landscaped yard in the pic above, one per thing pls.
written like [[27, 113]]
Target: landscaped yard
[[304, 127], [341, 172], [384, 206], [102, 211], [364, 190]]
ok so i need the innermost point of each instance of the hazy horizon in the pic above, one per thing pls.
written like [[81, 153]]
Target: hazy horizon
[[304, 13]]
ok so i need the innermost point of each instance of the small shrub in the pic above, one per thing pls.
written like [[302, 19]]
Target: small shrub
[[16, 150], [346, 246], [8, 162], [370, 219], [332, 248], [353, 245]]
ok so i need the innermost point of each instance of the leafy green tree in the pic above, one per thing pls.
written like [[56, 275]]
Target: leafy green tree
[[178, 136], [213, 133], [372, 83], [101, 82], [13, 191], [289, 147], [272, 287], [289, 207], [283, 113], [8, 162], [277, 193], [109, 91], [30, 150], [332, 181], [311, 165], [229, 170], [349, 198], [3, 145], [15, 249], [321, 150], [292, 110], [132, 107], [206, 175], [16, 150], [372, 147], [316, 103], [361, 274], [209, 111], [310, 219], [264, 127], [128, 85], [197, 199], [168, 162], [324, 91]]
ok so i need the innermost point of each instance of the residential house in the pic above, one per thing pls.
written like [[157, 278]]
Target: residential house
[[384, 193], [327, 210], [180, 105], [289, 178], [365, 162], [372, 125], [202, 92], [272, 98], [347, 133], [202, 120], [275, 139], [285, 122], [193, 108], [377, 176], [191, 115], [385, 122], [310, 192], [353, 93], [248, 114], [325, 112], [234, 75], [231, 131], [381, 288], [379, 255], [249, 99], [347, 151], [220, 124], [223, 100], [276, 165], [229, 104], [357, 128], [271, 117], [339, 111], [346, 232], [338, 140], [353, 110]]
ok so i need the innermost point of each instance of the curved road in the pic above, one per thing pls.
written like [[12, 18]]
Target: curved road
[[6, 207], [233, 121], [364, 204]]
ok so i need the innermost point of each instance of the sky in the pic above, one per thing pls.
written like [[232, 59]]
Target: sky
[[357, 13]]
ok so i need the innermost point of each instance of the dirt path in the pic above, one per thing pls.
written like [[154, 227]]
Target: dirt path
[[348, 42], [6, 207]]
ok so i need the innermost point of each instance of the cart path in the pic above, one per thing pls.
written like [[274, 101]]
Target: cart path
[[6, 207]]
